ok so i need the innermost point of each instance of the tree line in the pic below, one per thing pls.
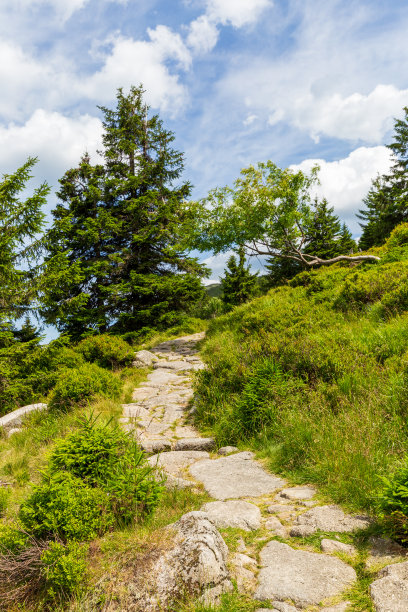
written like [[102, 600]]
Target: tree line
[[117, 255]]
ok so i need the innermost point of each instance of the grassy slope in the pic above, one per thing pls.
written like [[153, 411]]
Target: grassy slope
[[314, 375]]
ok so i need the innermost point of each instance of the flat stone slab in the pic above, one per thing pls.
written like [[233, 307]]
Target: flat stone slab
[[135, 411], [332, 518], [198, 444], [234, 513], [333, 546], [161, 378], [234, 476], [274, 524], [390, 592], [143, 359], [179, 366], [14, 419], [304, 577], [297, 493], [156, 446], [173, 462], [228, 450]]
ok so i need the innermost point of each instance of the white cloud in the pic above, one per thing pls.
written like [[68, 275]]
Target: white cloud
[[58, 141], [63, 9], [133, 61], [203, 35], [236, 12], [346, 182]]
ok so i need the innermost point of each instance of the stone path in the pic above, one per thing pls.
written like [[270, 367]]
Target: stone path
[[276, 567]]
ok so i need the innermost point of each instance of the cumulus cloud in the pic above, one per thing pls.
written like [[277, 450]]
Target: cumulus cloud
[[203, 35], [236, 12], [58, 142], [134, 61], [346, 182]]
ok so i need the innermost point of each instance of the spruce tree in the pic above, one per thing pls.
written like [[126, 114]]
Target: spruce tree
[[326, 237], [113, 249], [238, 284], [386, 204]]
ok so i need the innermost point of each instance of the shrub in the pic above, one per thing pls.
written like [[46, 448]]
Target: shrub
[[12, 539], [107, 457], [63, 567], [106, 351], [78, 385], [393, 502], [65, 506]]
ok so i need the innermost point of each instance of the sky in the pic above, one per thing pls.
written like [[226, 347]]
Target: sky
[[238, 81]]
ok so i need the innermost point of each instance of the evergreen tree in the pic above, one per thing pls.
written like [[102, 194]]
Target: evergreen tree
[[238, 283], [387, 200], [113, 250]]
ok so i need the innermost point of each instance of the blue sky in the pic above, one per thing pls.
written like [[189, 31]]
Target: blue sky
[[238, 81]]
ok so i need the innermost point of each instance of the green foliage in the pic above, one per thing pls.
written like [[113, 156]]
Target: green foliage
[[64, 568], [393, 502], [113, 252], [12, 539], [65, 506], [238, 284], [315, 374], [106, 351], [79, 385]]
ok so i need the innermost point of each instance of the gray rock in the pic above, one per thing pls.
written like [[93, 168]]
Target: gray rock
[[143, 359], [14, 430], [333, 546], [280, 509], [161, 378], [234, 476], [197, 444], [303, 577], [195, 563], [301, 531], [390, 591], [134, 411], [175, 482], [173, 365], [384, 550], [156, 446], [298, 493], [14, 419], [234, 513], [282, 606], [244, 569], [142, 394], [332, 518], [174, 462], [340, 607], [274, 524], [227, 450]]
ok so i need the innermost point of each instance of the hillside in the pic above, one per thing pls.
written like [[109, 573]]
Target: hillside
[[314, 375]]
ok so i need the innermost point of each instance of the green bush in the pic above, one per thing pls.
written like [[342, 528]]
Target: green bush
[[63, 568], [393, 502], [105, 456], [12, 539], [65, 506], [106, 351], [77, 386]]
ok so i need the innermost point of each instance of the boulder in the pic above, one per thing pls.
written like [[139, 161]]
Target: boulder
[[333, 546], [304, 577], [14, 419], [331, 518], [234, 513], [390, 591], [297, 493], [274, 524], [228, 450], [143, 359], [197, 444], [174, 462]]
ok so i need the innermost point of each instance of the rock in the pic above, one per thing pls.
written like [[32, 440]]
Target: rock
[[156, 446], [143, 359], [174, 462], [390, 591], [195, 563], [340, 607], [241, 546], [280, 509], [332, 518], [244, 569], [162, 378], [298, 493], [135, 411], [384, 550], [282, 606], [174, 482], [227, 450], [174, 365], [142, 394], [301, 531], [274, 524], [197, 444], [333, 546], [234, 476], [304, 577], [14, 430], [14, 419], [234, 513]]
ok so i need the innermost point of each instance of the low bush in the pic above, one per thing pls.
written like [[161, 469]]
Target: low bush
[[12, 539], [393, 502], [106, 351], [77, 386], [63, 568], [65, 506]]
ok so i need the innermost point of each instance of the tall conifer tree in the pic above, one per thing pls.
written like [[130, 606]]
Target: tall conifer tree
[[114, 244]]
